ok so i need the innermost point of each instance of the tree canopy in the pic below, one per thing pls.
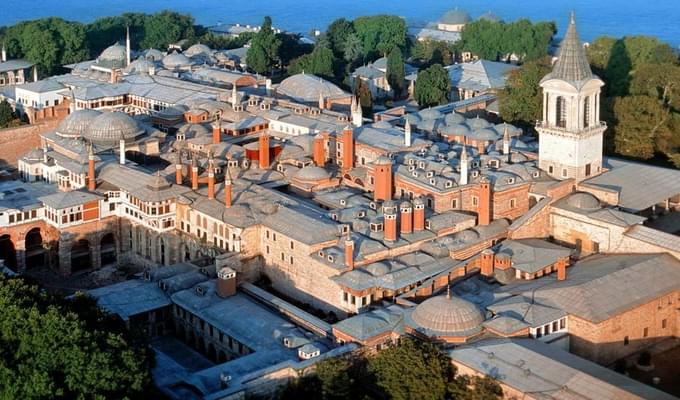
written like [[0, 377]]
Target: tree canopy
[[319, 62], [52, 348], [409, 371], [428, 52], [396, 73], [498, 40], [521, 101], [263, 53], [380, 34], [432, 87], [6, 114]]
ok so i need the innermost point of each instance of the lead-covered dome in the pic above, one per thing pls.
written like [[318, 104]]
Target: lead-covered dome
[[307, 88], [176, 60], [455, 17], [75, 124], [113, 56], [448, 314], [198, 49], [584, 201], [110, 127], [312, 173]]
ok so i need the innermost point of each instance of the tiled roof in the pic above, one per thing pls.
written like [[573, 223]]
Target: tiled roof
[[572, 64]]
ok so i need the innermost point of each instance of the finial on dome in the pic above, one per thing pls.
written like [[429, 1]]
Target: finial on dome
[[572, 17]]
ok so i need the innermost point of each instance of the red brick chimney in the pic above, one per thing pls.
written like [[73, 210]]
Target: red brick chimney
[[194, 175], [217, 132], [319, 151], [562, 270], [484, 212], [390, 224], [211, 180], [406, 212], [91, 179], [347, 149], [226, 282], [178, 173], [487, 262], [349, 253], [264, 150], [382, 175], [418, 214], [227, 188]]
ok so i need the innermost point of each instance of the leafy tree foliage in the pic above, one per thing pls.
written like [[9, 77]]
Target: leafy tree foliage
[[291, 47], [319, 62], [429, 52], [263, 53], [226, 42], [166, 27], [352, 48], [6, 114], [521, 102], [396, 73], [338, 34], [365, 97], [380, 34], [498, 40], [51, 348], [433, 86], [412, 370]]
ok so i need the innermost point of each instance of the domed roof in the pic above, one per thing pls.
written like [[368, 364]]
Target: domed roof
[[484, 134], [197, 49], [413, 119], [75, 124], [193, 130], [454, 118], [176, 60], [429, 113], [110, 127], [140, 66], [583, 201], [378, 268], [466, 236], [455, 17], [153, 55], [448, 314], [456, 130], [312, 173], [113, 56], [491, 17], [478, 123], [306, 88]]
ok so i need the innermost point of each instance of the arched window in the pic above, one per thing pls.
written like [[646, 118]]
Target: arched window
[[586, 112], [560, 112]]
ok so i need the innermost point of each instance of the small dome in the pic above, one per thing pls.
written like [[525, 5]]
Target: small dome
[[413, 119], [484, 134], [110, 127], [378, 268], [113, 56], [448, 314], [456, 130], [153, 55], [307, 88], [583, 201], [455, 17], [466, 236], [429, 113], [176, 60], [382, 125], [478, 123], [312, 173], [193, 130], [140, 66], [454, 118], [75, 124], [198, 49]]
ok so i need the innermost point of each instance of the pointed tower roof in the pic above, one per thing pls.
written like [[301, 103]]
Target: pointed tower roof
[[572, 64]]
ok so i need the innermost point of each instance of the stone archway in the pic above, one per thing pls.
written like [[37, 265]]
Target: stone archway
[[35, 253], [8, 252], [108, 249], [80, 256]]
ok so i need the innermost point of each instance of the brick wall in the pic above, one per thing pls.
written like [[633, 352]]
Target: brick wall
[[16, 142]]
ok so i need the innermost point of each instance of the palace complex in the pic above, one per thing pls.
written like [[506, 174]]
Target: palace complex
[[276, 226]]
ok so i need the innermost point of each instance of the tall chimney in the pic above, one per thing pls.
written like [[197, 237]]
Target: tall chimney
[[194, 174], [506, 142], [349, 252], [217, 132], [484, 212], [561, 270], [407, 134], [487, 262], [322, 101], [406, 212], [211, 179], [226, 282], [127, 45], [382, 176], [347, 149], [4, 53], [264, 150], [464, 166], [91, 182], [390, 224], [178, 172], [227, 188], [121, 150], [35, 73], [418, 214], [319, 151]]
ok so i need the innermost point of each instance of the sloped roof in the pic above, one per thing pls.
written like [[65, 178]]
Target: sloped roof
[[479, 75], [572, 64], [73, 198]]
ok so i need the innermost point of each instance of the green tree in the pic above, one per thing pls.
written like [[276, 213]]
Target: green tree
[[380, 34], [291, 48], [639, 122], [166, 27], [365, 97], [49, 350], [396, 72], [432, 87], [497, 40], [428, 52], [6, 114], [352, 50], [337, 34], [521, 101], [319, 62], [264, 49]]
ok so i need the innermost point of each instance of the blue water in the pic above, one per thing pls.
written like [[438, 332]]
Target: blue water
[[660, 18]]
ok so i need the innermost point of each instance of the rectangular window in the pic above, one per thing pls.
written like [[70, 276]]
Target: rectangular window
[[292, 245], [475, 201], [563, 323], [454, 204], [664, 323], [513, 203], [625, 341], [345, 297], [645, 332], [551, 169], [564, 172]]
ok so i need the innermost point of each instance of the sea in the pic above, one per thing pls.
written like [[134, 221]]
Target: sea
[[617, 18]]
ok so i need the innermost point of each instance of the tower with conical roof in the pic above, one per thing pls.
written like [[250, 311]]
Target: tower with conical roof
[[570, 132]]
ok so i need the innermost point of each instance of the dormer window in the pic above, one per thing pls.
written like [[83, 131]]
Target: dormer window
[[321, 254], [376, 227], [411, 168], [361, 214], [536, 174], [448, 184], [511, 181], [343, 202], [415, 174], [433, 181], [430, 174], [411, 161], [334, 216], [475, 174], [421, 164], [493, 163], [475, 164], [372, 205], [427, 224], [330, 258]]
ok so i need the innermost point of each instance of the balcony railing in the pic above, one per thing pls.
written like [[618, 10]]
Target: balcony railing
[[559, 129]]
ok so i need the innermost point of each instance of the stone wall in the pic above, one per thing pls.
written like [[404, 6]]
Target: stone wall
[[16, 142]]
